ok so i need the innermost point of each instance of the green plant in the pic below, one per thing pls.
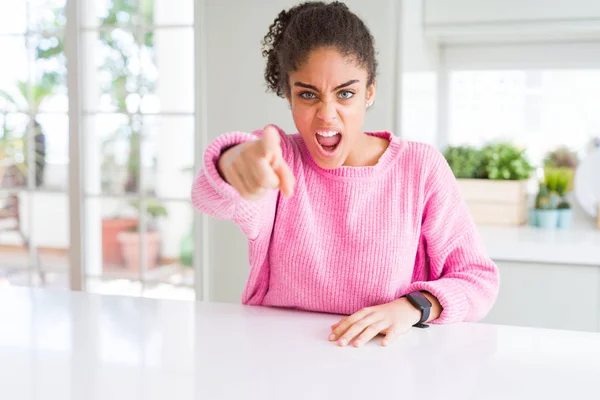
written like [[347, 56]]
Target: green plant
[[466, 162], [505, 161], [561, 157], [546, 199], [557, 180], [29, 99], [497, 161]]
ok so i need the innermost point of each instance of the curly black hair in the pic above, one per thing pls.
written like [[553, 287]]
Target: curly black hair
[[307, 26]]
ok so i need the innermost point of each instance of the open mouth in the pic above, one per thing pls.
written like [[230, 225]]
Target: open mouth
[[328, 141]]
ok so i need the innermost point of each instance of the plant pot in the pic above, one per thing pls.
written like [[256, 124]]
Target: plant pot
[[495, 202], [532, 217], [565, 218], [547, 218], [111, 249], [130, 249]]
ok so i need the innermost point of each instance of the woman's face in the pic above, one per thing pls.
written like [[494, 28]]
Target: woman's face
[[329, 98]]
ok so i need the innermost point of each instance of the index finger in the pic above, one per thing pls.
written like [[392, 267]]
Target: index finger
[[270, 140], [286, 177]]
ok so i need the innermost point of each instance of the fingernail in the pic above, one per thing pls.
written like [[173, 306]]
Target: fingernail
[[343, 342], [332, 336], [357, 343]]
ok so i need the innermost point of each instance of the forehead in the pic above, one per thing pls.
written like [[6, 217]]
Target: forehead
[[327, 67]]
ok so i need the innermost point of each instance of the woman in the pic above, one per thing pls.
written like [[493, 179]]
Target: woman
[[338, 220]]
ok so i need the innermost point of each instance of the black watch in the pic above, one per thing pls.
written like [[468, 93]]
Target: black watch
[[420, 302]]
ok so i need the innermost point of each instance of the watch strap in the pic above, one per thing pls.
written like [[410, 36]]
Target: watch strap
[[420, 302]]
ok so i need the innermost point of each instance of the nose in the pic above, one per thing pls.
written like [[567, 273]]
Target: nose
[[327, 112]]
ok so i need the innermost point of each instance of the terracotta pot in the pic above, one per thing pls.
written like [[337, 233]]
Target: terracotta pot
[[130, 249], [111, 249]]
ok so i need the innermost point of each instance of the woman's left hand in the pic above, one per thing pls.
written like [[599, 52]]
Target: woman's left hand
[[391, 319]]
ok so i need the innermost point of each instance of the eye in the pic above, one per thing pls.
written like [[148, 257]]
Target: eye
[[308, 95], [345, 94]]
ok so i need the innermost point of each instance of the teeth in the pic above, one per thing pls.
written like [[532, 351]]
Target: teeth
[[327, 133]]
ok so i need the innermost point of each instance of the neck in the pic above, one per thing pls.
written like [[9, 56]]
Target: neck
[[367, 151]]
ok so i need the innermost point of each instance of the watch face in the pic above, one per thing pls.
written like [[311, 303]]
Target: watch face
[[419, 299]]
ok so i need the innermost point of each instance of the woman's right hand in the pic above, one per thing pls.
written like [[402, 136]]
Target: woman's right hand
[[252, 168]]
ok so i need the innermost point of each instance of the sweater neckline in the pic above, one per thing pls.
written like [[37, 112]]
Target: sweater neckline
[[385, 162]]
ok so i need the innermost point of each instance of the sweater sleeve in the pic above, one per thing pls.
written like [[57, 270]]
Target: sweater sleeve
[[460, 274], [212, 195]]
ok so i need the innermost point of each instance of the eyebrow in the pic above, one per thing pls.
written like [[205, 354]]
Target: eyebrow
[[343, 85]]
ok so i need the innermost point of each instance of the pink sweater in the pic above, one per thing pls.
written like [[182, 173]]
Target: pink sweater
[[356, 236]]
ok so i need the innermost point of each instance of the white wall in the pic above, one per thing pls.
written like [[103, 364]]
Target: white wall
[[236, 93], [494, 11], [489, 21], [419, 72], [237, 101]]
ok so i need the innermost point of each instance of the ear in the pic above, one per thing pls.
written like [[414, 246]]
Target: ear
[[371, 92]]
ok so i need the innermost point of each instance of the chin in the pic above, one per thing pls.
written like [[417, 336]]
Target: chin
[[329, 162]]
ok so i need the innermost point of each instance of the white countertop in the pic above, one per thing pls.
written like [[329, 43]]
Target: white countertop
[[578, 245], [70, 346]]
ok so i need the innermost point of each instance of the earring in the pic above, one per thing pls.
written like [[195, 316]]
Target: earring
[[369, 105]]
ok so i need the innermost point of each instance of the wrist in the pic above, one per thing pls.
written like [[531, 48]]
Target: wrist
[[225, 159], [413, 313]]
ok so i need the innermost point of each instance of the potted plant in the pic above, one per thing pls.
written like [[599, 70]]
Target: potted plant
[[130, 238], [563, 157], [112, 226], [466, 162], [493, 181], [557, 180], [546, 203]]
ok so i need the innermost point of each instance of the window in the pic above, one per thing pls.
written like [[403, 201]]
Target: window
[[34, 158], [539, 109], [138, 120], [138, 104]]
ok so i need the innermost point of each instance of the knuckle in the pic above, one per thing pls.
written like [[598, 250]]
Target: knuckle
[[369, 332], [340, 329], [260, 147], [361, 325], [372, 329]]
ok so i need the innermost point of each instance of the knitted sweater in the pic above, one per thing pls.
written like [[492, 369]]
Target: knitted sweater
[[354, 237]]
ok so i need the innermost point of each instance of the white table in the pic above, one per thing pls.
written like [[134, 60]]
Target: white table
[[61, 345]]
